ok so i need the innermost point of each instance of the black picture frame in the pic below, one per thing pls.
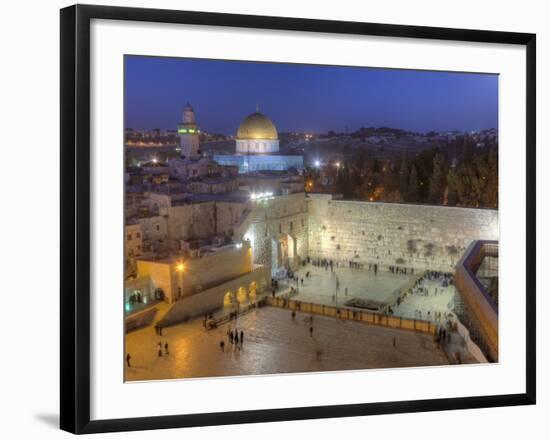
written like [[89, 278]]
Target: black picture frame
[[75, 217]]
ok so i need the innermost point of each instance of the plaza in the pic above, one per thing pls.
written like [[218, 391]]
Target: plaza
[[274, 342], [321, 285]]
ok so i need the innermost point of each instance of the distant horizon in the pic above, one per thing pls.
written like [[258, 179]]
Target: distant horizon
[[323, 132], [305, 98]]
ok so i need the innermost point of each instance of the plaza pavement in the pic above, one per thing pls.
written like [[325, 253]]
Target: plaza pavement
[[320, 286], [275, 343]]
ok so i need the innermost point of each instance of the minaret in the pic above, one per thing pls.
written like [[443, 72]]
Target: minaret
[[189, 131]]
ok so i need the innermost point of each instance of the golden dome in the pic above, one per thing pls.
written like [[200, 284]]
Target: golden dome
[[257, 126]]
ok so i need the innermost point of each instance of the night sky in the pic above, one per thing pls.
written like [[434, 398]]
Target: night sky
[[305, 98]]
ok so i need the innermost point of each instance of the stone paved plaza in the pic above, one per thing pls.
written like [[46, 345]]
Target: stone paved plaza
[[274, 343], [441, 300], [320, 286]]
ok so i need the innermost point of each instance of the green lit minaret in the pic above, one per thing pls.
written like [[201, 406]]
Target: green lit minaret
[[189, 132]]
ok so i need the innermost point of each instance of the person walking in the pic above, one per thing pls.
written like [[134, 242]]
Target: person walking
[[311, 331], [157, 329], [231, 336], [394, 341], [128, 358], [222, 345], [159, 349], [242, 336], [166, 348]]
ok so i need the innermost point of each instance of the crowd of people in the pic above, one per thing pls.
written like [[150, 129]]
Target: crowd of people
[[423, 286], [432, 283], [394, 269], [234, 337]]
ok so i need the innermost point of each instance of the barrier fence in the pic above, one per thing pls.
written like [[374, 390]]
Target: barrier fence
[[351, 314]]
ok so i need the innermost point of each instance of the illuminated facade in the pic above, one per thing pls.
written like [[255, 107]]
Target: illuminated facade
[[189, 131], [257, 148], [257, 135]]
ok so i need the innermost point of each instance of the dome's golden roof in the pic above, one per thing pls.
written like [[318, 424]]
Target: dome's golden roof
[[257, 126]]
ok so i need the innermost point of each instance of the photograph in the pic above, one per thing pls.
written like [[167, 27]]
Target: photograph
[[285, 218]]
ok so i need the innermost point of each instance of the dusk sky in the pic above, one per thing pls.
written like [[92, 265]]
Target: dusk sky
[[305, 98]]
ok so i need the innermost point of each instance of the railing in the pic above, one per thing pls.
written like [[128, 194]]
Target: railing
[[481, 305], [233, 315], [354, 315], [405, 288]]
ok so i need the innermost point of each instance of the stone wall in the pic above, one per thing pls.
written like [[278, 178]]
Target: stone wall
[[272, 219], [212, 300], [154, 228], [419, 236], [191, 221], [199, 273], [228, 215]]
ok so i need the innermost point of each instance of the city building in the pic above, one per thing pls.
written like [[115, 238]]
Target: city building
[[189, 131], [205, 233], [257, 148]]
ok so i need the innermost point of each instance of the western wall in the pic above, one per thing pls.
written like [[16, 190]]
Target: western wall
[[405, 235]]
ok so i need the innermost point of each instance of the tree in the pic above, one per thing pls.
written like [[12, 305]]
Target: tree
[[437, 179], [467, 150], [412, 193], [452, 185], [490, 194], [403, 175]]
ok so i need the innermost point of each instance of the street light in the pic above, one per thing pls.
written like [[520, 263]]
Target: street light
[[180, 268]]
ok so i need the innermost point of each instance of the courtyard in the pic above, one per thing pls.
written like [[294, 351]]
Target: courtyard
[[274, 342], [321, 285]]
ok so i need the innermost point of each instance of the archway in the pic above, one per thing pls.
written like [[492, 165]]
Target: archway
[[253, 290], [242, 297], [275, 256], [290, 246], [228, 299]]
